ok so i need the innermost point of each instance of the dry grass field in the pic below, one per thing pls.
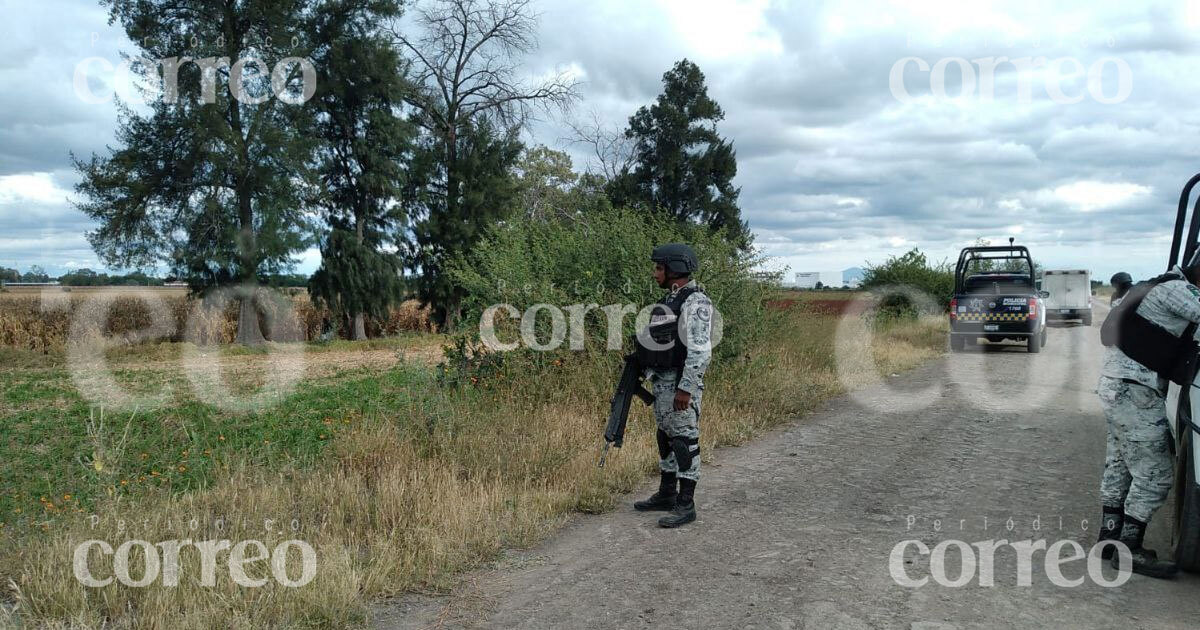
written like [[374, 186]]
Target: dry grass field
[[45, 319], [397, 482]]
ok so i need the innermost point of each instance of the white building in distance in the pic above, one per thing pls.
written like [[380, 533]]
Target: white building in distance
[[809, 279]]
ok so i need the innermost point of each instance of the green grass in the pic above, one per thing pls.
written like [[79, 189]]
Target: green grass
[[61, 453]]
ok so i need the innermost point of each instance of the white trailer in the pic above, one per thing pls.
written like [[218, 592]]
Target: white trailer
[[1070, 294]]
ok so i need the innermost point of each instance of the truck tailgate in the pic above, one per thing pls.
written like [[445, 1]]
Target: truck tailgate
[[993, 308]]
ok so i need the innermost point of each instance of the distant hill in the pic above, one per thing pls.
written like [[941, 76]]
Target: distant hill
[[853, 275]]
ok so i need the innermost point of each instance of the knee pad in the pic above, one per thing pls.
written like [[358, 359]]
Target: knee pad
[[664, 444], [685, 449]]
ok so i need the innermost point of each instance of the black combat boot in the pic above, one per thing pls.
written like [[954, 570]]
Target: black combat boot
[[1110, 529], [662, 500], [1145, 561], [684, 511]]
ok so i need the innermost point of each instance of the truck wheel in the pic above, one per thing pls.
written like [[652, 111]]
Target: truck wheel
[[1187, 524], [1035, 343], [1045, 336], [1187, 495], [957, 343], [1087, 319]]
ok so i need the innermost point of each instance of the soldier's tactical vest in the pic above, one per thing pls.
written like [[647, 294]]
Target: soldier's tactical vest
[[668, 350], [1173, 358]]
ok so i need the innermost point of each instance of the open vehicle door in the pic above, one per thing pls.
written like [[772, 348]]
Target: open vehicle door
[[1183, 409]]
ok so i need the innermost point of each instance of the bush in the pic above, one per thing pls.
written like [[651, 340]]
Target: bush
[[602, 258], [910, 270]]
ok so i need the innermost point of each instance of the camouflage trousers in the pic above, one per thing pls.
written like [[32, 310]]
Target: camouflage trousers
[[676, 424], [1139, 468]]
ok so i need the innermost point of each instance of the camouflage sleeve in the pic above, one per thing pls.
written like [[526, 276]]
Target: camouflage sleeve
[[1184, 300], [697, 316]]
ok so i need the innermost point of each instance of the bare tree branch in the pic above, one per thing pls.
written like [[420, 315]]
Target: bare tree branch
[[464, 62], [612, 151]]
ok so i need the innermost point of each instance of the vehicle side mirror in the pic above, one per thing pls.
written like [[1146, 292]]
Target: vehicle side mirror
[[1043, 294]]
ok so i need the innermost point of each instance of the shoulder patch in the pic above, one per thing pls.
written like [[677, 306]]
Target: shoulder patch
[[1195, 291]]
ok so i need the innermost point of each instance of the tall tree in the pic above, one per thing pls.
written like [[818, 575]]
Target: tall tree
[[483, 170], [464, 63], [364, 144], [208, 180], [682, 166]]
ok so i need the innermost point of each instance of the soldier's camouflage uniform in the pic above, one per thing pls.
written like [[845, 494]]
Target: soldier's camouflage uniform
[[697, 314], [1138, 467]]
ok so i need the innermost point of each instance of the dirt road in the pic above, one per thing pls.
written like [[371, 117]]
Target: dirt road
[[796, 529]]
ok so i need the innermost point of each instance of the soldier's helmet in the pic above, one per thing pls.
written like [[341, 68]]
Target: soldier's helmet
[[676, 257], [1120, 278]]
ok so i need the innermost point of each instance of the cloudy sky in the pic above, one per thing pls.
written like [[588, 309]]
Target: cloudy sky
[[862, 129]]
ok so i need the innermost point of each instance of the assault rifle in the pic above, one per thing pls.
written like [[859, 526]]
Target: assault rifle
[[629, 385]]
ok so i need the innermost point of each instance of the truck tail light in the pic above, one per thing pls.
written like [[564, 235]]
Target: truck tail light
[[953, 308], [1033, 308]]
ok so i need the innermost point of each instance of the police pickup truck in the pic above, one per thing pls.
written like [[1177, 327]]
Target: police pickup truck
[[995, 298]]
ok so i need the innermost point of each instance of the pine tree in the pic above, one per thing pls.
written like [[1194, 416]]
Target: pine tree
[[364, 146], [482, 171], [209, 180], [682, 166]]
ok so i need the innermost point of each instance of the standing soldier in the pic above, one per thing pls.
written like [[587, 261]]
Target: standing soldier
[[1121, 282], [675, 350], [1149, 322]]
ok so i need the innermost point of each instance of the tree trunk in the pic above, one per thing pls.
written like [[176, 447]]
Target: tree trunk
[[360, 327], [249, 333]]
